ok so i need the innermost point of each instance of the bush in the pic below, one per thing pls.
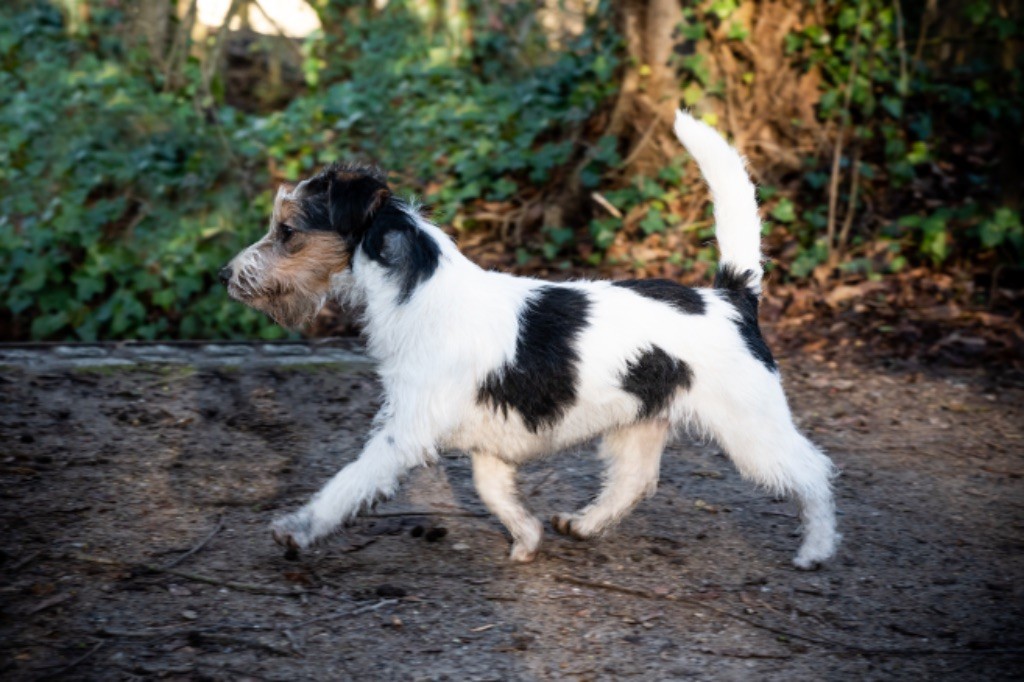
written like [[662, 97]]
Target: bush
[[120, 202], [125, 191], [130, 199]]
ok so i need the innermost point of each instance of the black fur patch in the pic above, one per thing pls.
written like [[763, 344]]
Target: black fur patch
[[654, 378], [395, 241], [355, 202], [683, 299], [732, 286], [342, 198], [540, 382]]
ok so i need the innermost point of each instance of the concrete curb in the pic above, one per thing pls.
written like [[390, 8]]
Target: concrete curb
[[47, 356]]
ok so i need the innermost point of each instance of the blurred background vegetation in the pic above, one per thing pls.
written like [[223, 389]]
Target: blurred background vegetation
[[140, 143]]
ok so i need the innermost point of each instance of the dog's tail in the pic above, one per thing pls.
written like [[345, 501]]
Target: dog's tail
[[737, 224]]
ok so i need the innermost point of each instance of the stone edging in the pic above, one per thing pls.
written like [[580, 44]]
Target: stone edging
[[44, 356]]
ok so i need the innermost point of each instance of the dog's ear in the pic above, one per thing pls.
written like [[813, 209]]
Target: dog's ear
[[354, 200], [284, 190]]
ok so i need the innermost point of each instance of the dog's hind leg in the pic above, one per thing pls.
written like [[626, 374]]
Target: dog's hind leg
[[752, 422], [495, 481], [633, 457]]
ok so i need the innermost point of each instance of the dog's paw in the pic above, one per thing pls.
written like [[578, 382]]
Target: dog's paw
[[807, 559], [816, 550], [526, 544], [807, 564], [293, 532], [523, 553], [568, 525]]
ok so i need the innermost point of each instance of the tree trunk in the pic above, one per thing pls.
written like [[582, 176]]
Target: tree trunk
[[645, 107], [649, 94]]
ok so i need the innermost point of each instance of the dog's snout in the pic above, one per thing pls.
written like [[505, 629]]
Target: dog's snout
[[225, 275]]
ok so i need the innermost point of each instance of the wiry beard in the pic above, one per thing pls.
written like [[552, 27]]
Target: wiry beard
[[292, 311], [293, 288]]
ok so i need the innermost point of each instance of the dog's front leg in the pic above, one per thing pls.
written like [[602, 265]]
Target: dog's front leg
[[373, 476]]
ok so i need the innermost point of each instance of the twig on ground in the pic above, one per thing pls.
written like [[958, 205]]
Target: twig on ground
[[195, 577], [207, 634], [25, 561], [156, 670], [293, 641], [342, 614], [231, 584], [210, 631], [49, 603], [744, 654], [75, 663], [218, 638], [821, 641], [216, 529], [605, 204], [249, 673], [163, 630], [572, 580], [536, 489]]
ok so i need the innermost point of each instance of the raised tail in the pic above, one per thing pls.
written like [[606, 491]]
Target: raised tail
[[737, 223]]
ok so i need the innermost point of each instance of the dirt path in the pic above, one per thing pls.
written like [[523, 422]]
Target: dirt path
[[110, 476]]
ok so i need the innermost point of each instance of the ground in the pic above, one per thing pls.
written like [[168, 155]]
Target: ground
[[136, 489]]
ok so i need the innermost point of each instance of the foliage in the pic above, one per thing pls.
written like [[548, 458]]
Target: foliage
[[124, 193], [910, 120], [131, 199], [440, 117], [119, 203]]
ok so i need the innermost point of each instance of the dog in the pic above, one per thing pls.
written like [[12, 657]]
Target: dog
[[509, 368]]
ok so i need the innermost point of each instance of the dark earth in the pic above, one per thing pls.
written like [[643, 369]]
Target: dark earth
[[135, 502]]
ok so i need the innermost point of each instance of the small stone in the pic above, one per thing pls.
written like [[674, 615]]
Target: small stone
[[435, 534], [179, 591], [701, 504], [188, 614], [460, 546], [387, 591], [522, 642]]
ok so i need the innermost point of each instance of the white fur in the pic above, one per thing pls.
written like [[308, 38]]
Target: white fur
[[737, 224], [435, 350]]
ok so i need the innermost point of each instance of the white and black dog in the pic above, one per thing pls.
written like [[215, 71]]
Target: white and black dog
[[510, 368]]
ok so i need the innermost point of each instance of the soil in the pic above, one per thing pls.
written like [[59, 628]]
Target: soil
[[135, 500]]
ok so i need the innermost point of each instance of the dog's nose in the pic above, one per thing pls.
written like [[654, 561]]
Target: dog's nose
[[225, 275]]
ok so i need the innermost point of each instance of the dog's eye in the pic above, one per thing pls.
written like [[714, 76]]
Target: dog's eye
[[286, 232]]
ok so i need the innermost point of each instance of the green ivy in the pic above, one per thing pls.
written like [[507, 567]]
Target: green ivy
[[120, 202]]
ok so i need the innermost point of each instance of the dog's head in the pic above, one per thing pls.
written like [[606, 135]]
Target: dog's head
[[316, 226]]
